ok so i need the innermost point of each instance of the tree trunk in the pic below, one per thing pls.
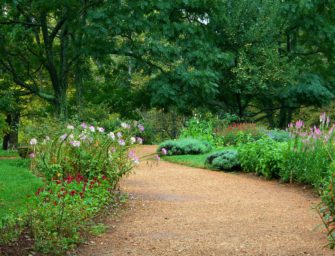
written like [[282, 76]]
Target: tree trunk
[[11, 139], [61, 103], [283, 117]]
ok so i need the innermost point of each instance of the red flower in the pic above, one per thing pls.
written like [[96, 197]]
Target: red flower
[[73, 192]]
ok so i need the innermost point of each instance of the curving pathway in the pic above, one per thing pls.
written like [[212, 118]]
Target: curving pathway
[[178, 210]]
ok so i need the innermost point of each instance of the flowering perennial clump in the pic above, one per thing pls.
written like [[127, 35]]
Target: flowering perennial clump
[[87, 150], [82, 168]]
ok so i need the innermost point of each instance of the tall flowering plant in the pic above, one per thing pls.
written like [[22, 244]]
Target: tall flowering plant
[[82, 168], [308, 154], [87, 150]]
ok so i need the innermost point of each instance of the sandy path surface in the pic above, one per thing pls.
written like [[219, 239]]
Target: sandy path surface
[[178, 210]]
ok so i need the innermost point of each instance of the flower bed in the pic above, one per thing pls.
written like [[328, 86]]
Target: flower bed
[[81, 169]]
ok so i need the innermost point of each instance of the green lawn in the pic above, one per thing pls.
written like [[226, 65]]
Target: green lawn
[[8, 153], [192, 160], [15, 184]]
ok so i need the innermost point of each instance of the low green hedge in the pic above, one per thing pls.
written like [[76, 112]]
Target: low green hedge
[[187, 146], [227, 160]]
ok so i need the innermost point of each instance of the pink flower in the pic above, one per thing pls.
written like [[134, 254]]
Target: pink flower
[[317, 131], [299, 124], [63, 137], [92, 128], [131, 154], [75, 143], [139, 140], [141, 127], [122, 142], [32, 155], [164, 151], [83, 125], [136, 160], [100, 129]]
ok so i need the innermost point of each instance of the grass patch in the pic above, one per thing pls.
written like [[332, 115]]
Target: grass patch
[[197, 161], [8, 153], [16, 182]]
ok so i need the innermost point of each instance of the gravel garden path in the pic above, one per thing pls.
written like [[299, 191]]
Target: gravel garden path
[[178, 210]]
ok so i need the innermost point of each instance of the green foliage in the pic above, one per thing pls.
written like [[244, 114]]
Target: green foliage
[[160, 125], [186, 146], [224, 160], [199, 128], [279, 135], [264, 156], [59, 211], [3, 125], [240, 133], [326, 208], [11, 227], [306, 161]]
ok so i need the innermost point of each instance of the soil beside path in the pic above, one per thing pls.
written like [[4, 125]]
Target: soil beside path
[[178, 210]]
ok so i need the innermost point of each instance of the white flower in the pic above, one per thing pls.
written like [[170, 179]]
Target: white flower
[[82, 136], [125, 125], [47, 138], [63, 137], [71, 136], [122, 142], [119, 134], [132, 140], [139, 140], [75, 143], [100, 129], [33, 141], [70, 127], [111, 135], [92, 128]]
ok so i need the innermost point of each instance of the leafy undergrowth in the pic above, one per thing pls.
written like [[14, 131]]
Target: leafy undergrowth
[[197, 161], [16, 182]]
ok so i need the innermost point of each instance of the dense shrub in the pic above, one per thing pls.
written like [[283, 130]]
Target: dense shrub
[[264, 156], [279, 135], [160, 125], [240, 133], [186, 146], [199, 128], [224, 160]]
